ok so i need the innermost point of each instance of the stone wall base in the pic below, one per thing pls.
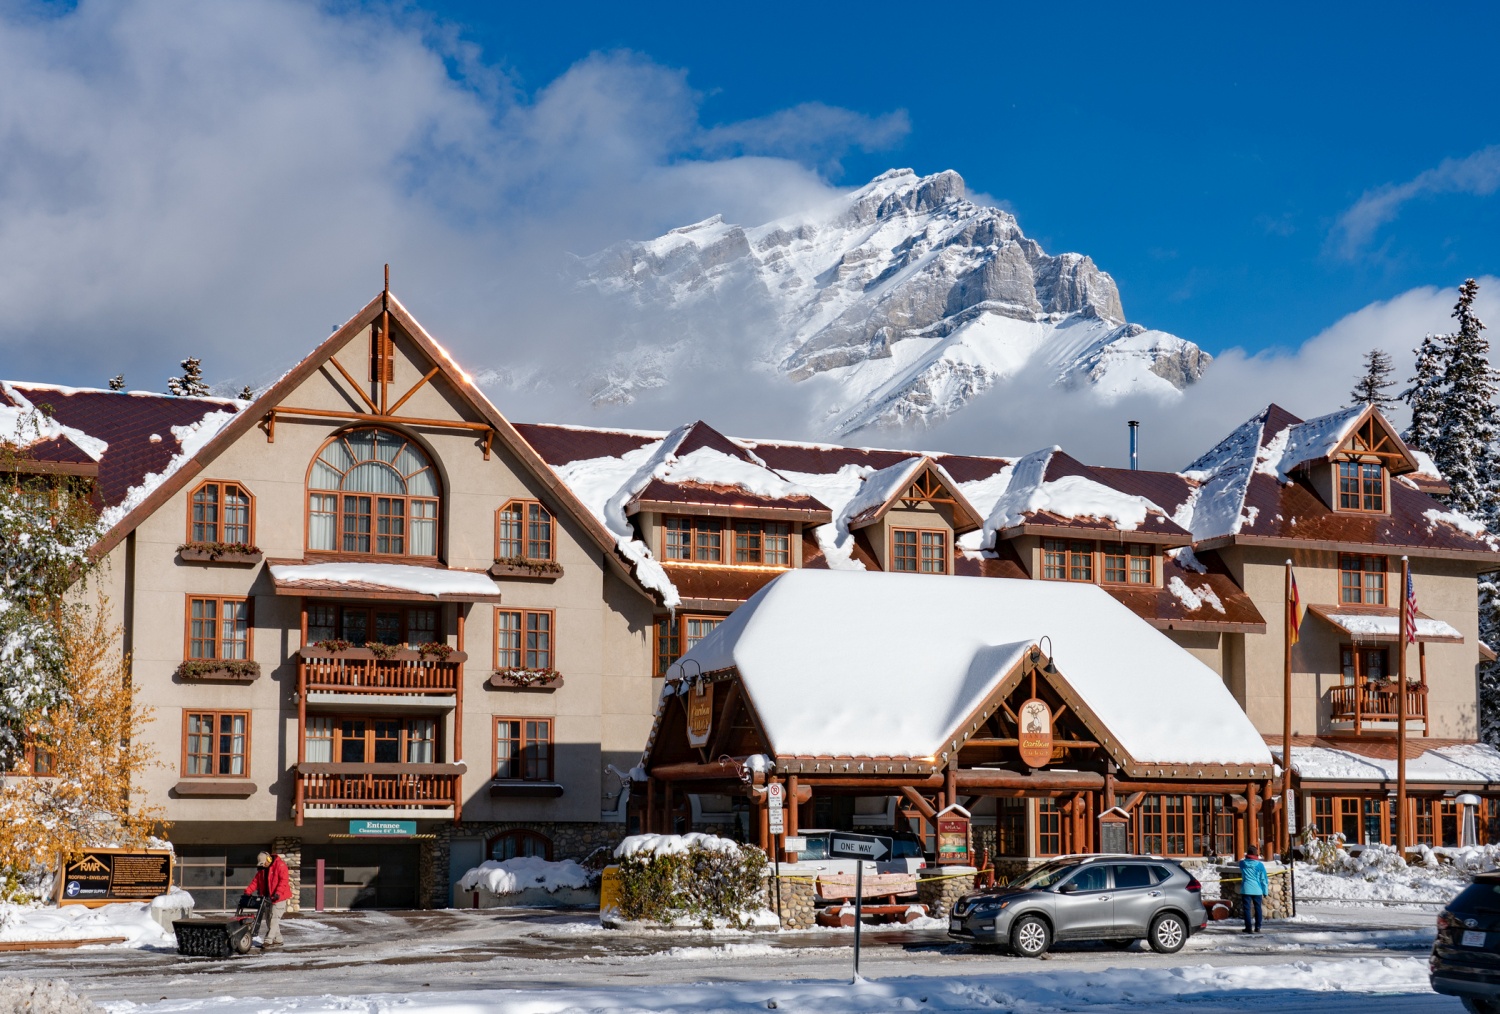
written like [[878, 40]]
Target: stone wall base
[[290, 849], [1278, 903], [796, 900]]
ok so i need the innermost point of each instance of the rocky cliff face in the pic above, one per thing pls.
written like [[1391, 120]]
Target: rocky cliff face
[[912, 297]]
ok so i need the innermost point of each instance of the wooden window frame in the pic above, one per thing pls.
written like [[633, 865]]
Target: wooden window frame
[[755, 528], [1072, 552], [408, 514], [1364, 590], [405, 610], [1128, 552], [33, 757], [522, 627], [1361, 495], [520, 834], [1361, 674], [219, 524], [336, 738], [698, 526], [217, 713], [218, 639], [682, 622], [550, 762], [524, 540], [919, 547]]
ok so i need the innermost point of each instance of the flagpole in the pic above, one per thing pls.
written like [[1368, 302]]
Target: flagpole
[[1289, 621], [1401, 713]]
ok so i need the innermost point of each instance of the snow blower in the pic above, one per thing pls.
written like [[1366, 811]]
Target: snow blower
[[223, 938]]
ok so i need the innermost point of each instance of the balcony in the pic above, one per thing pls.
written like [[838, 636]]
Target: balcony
[[379, 790], [1370, 707], [359, 671]]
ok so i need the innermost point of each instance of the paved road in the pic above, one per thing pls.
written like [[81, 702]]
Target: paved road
[[355, 953]]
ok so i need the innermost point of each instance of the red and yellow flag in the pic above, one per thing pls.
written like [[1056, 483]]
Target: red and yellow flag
[[1294, 612]]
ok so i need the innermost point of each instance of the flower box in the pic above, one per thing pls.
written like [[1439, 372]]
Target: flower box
[[525, 681], [234, 554], [531, 570], [224, 670]]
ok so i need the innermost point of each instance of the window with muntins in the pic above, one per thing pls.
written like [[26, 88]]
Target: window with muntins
[[216, 744], [676, 636], [1360, 664], [218, 628], [221, 512], [1362, 580], [1067, 560], [1130, 563], [372, 493], [523, 530], [523, 749], [371, 739], [523, 639], [919, 551], [695, 539], [763, 543], [1362, 486], [412, 626]]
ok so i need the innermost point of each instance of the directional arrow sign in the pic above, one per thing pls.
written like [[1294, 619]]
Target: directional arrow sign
[[858, 846]]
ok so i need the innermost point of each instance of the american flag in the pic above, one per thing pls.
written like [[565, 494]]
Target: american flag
[[1411, 611]]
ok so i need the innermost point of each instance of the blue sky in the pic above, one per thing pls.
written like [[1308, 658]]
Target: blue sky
[[1202, 153]]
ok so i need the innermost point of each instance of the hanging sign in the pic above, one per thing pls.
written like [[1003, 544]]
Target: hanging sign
[[1035, 733], [102, 876], [700, 709]]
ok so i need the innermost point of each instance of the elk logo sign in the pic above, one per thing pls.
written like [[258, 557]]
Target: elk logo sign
[[700, 709], [1035, 733]]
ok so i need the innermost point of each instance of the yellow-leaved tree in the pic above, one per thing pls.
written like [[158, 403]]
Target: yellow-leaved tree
[[70, 790]]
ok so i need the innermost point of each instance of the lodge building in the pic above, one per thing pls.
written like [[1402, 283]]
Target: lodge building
[[366, 601]]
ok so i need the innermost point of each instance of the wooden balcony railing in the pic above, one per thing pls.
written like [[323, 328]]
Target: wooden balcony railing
[[1369, 703], [358, 671], [322, 786]]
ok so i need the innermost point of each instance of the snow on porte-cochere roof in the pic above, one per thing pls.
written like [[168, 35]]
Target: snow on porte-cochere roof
[[821, 656]]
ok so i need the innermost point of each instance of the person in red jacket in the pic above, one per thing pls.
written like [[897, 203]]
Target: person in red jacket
[[274, 883]]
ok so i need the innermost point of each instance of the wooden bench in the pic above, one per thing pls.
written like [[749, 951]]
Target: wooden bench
[[843, 915]]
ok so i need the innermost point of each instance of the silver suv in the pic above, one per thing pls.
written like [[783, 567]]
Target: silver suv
[[1116, 898]]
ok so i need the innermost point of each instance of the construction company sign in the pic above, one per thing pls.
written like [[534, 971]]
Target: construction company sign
[[1034, 734], [700, 713], [104, 876]]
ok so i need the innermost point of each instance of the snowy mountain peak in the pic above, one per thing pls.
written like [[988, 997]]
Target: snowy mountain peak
[[913, 297]]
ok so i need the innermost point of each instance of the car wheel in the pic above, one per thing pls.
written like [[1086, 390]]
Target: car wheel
[[1480, 1005], [1030, 937], [1168, 933]]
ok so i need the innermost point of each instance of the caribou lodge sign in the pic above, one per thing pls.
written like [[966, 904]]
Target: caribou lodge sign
[[700, 709], [1034, 735]]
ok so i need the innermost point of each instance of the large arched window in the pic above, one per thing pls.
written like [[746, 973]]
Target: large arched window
[[372, 491], [516, 844]]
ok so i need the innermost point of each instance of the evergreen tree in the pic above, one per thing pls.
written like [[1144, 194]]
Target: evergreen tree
[[117, 382], [190, 384], [1489, 672], [247, 394], [1425, 396], [1466, 431], [1372, 387]]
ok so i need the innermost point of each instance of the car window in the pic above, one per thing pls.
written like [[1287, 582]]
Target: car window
[[1477, 898], [817, 848], [1128, 875], [1044, 877], [902, 848], [1091, 878], [1161, 873]]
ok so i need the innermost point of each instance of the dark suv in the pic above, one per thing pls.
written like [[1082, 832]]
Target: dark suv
[[1119, 898], [1466, 954]]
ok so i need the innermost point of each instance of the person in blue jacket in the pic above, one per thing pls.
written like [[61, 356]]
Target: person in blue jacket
[[1253, 887]]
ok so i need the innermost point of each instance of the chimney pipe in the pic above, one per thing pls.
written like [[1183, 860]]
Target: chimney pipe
[[1135, 445]]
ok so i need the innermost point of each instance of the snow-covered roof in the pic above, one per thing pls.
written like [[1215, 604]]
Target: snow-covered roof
[[437, 582], [831, 663], [1471, 763]]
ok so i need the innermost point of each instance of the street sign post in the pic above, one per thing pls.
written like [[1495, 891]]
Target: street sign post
[[859, 847], [775, 828]]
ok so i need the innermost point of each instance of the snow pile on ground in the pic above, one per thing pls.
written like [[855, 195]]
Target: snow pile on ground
[[513, 876], [176, 898], [673, 844], [131, 920], [42, 996], [1194, 987], [1377, 873]]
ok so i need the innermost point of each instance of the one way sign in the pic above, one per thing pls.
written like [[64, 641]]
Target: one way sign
[[858, 846]]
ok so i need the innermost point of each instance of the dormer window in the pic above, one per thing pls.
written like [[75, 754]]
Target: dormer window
[[372, 493], [735, 542], [1362, 486], [919, 551]]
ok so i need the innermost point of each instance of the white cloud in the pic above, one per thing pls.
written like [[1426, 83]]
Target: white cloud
[[1477, 174], [226, 180]]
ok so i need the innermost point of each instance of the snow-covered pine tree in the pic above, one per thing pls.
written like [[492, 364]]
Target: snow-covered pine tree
[[117, 382], [1373, 387], [190, 384], [246, 394], [1463, 449], [1425, 395]]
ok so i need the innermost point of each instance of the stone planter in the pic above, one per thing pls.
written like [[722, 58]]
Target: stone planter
[[941, 886], [1278, 903], [797, 901]]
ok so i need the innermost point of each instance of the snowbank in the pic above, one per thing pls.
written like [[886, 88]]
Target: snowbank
[[1069, 989], [1374, 873], [176, 898], [76, 922], [513, 876], [42, 996], [672, 844]]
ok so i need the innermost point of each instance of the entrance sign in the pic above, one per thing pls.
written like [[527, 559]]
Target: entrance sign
[[953, 845], [383, 828], [103, 876], [858, 846], [1035, 733], [700, 709]]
